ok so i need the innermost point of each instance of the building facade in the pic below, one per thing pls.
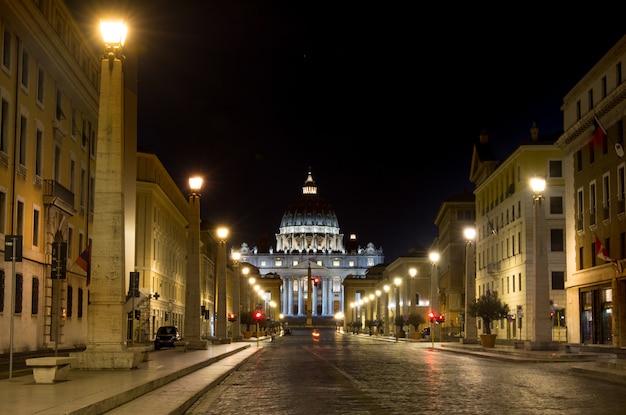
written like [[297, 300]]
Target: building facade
[[506, 233], [592, 142], [49, 80]]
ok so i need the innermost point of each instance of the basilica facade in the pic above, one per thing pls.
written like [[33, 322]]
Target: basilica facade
[[310, 244]]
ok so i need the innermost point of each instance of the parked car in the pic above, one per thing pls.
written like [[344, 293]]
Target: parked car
[[166, 336]]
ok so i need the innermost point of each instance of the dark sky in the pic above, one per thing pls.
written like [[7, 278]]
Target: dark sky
[[383, 100]]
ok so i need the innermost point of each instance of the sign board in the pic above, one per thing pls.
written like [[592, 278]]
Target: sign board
[[13, 248], [59, 260]]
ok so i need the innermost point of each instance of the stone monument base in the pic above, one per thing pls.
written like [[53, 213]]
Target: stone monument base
[[94, 359], [545, 345], [197, 344]]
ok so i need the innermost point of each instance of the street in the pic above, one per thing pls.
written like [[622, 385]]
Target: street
[[343, 373]]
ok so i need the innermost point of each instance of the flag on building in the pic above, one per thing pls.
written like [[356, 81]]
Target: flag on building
[[602, 253], [492, 229], [84, 261], [599, 133]]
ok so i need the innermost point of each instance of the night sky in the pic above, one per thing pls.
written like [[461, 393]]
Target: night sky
[[382, 100]]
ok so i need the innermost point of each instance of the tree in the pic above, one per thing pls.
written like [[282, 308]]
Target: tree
[[415, 319], [247, 319], [489, 307]]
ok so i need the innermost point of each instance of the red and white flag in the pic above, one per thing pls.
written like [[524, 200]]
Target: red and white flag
[[599, 132], [602, 253]]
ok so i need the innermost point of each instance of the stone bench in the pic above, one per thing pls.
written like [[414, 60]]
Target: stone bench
[[50, 369], [572, 348], [181, 346]]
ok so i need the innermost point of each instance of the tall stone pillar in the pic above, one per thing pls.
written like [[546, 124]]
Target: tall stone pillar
[[106, 319]]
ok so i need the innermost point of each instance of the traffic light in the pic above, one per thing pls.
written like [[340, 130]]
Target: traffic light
[[137, 314], [258, 316], [316, 280], [431, 316], [232, 317], [441, 319]]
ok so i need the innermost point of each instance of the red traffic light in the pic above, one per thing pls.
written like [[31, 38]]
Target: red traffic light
[[316, 281], [431, 316], [232, 317], [441, 318], [258, 315]]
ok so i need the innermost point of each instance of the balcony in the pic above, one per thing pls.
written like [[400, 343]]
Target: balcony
[[54, 194]]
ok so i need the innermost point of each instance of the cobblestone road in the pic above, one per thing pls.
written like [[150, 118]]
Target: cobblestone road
[[345, 374]]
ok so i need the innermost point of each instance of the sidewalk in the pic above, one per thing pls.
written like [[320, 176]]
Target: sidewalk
[[99, 391]]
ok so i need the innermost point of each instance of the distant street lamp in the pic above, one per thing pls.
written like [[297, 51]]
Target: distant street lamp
[[541, 324], [470, 331], [386, 325], [220, 262], [411, 297], [236, 257], [396, 284], [434, 289], [193, 291]]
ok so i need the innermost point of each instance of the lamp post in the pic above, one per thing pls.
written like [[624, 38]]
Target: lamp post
[[386, 325], [378, 294], [221, 326], [470, 332], [106, 333], [352, 306], [236, 257], [251, 283], [245, 301], [193, 288], [396, 285], [411, 301], [541, 324], [434, 288]]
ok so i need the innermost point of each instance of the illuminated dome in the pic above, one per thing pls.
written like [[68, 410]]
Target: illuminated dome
[[309, 224]]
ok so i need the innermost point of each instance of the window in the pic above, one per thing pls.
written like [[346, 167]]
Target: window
[[558, 280], [556, 240], [25, 64], [579, 160], [34, 302], [556, 205], [38, 153], [59, 107], [603, 83], [294, 262], [336, 262], [57, 163], [79, 306], [73, 175], [4, 126], [555, 168], [36, 215], [70, 298], [20, 218], [590, 99], [351, 263], [3, 211], [592, 152], [605, 196], [19, 292], [580, 256], [278, 262], [592, 203], [580, 210], [593, 257], [41, 77], [2, 285], [22, 143], [74, 124], [6, 49], [370, 262], [519, 281]]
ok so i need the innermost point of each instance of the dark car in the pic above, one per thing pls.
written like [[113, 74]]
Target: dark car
[[166, 336]]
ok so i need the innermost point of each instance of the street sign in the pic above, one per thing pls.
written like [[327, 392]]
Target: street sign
[[59, 260], [13, 243]]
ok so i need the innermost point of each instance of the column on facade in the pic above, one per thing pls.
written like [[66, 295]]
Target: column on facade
[[300, 297], [289, 310]]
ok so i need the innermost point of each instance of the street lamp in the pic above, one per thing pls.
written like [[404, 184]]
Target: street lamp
[[221, 327], [193, 291], [434, 287], [245, 271], [411, 297], [386, 325], [352, 306], [541, 324], [106, 322], [236, 257], [396, 284], [470, 332]]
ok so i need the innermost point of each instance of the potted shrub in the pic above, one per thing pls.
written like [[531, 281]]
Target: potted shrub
[[416, 319], [247, 319], [488, 307], [399, 322]]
